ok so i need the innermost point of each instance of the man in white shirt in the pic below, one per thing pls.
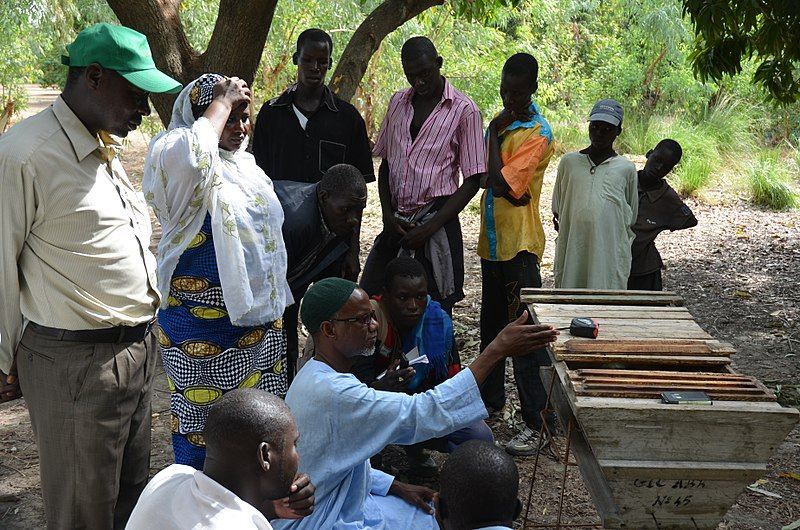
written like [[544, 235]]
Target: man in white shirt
[[479, 484], [248, 478]]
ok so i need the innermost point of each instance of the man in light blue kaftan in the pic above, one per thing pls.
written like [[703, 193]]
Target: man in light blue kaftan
[[342, 422]]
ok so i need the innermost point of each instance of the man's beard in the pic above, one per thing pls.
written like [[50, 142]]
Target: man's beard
[[366, 351]]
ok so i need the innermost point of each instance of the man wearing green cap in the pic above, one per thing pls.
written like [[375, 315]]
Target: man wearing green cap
[[342, 422], [75, 267]]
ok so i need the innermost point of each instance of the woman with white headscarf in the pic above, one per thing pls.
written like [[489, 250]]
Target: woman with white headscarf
[[222, 259]]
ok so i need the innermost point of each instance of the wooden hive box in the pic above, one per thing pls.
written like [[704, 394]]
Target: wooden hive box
[[648, 464]]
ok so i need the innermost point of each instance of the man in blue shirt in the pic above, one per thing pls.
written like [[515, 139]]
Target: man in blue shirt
[[343, 422]]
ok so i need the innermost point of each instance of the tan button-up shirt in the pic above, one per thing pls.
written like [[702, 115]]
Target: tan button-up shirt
[[74, 233]]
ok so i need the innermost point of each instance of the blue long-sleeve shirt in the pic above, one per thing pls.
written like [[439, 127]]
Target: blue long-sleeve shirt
[[342, 423]]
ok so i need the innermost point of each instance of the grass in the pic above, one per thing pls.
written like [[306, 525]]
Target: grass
[[692, 175], [570, 137], [770, 183]]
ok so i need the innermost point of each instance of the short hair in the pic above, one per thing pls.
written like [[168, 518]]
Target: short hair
[[479, 483], [672, 146], [417, 47], [404, 266], [245, 417], [74, 73], [314, 35], [522, 65], [343, 179]]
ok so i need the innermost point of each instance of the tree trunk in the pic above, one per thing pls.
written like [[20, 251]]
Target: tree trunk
[[386, 18], [235, 47]]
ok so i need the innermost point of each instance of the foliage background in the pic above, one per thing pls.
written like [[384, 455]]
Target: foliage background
[[636, 51]]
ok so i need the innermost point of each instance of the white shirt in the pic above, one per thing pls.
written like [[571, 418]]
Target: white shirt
[[182, 498]]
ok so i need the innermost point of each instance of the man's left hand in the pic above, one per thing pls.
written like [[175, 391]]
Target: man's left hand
[[419, 496], [417, 236], [300, 502]]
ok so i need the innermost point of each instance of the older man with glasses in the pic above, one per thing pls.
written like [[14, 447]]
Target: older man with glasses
[[342, 422]]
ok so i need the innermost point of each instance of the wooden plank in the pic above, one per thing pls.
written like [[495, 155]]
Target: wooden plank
[[609, 313], [642, 358], [609, 299], [645, 382], [677, 495], [600, 292], [646, 429], [622, 391], [627, 334], [649, 327], [664, 498], [658, 374], [569, 309], [653, 346]]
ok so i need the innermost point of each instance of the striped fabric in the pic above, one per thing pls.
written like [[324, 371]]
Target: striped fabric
[[74, 236], [427, 167]]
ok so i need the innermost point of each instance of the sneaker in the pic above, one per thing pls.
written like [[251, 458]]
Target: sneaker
[[526, 442]]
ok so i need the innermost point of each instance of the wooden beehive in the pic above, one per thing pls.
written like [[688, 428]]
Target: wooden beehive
[[648, 464]]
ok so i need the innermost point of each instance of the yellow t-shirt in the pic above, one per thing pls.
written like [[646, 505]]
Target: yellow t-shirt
[[507, 230]]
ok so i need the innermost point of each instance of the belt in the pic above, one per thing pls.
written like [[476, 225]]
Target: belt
[[115, 335]]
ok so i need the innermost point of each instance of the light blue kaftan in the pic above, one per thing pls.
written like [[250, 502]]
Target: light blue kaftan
[[342, 423]]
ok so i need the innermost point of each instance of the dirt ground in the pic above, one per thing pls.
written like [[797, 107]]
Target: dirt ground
[[737, 271]]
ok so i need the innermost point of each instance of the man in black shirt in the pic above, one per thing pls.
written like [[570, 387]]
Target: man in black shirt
[[307, 129]]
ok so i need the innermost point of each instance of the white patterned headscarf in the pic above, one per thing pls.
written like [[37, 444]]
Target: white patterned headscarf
[[187, 175]]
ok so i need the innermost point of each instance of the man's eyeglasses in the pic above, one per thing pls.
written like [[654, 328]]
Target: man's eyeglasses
[[364, 319]]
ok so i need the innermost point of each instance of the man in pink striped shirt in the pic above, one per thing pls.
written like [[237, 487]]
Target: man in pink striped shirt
[[432, 134]]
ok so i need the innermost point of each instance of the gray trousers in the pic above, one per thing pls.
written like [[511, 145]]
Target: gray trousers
[[90, 407]]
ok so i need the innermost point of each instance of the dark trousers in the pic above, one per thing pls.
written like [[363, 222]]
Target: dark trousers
[[501, 282], [90, 410], [646, 282], [386, 248]]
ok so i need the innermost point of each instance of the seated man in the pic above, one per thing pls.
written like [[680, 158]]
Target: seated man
[[250, 468], [344, 422], [321, 221], [410, 321], [479, 484]]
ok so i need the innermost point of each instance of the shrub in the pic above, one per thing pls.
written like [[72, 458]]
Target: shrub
[[730, 125], [693, 174], [770, 183], [570, 137]]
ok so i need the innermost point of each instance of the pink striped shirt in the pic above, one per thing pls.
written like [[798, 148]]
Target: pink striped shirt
[[427, 167]]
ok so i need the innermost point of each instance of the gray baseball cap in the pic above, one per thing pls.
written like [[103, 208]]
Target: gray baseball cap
[[607, 110]]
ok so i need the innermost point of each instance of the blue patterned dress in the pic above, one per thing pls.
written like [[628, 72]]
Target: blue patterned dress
[[204, 354]]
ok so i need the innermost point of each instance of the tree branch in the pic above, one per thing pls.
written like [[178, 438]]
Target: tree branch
[[386, 18], [160, 21], [239, 36]]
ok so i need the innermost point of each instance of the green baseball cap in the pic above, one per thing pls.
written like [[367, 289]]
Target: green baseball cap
[[123, 50]]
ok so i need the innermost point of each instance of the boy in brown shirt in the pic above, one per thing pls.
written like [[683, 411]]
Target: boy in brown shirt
[[660, 208]]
